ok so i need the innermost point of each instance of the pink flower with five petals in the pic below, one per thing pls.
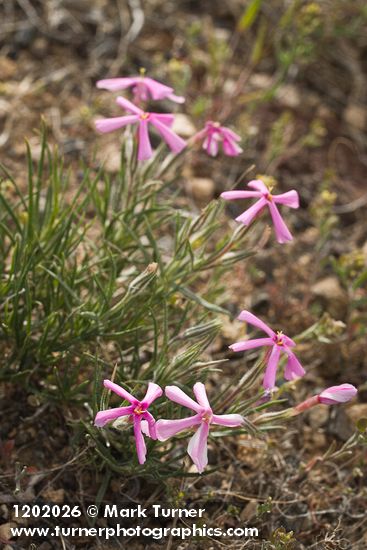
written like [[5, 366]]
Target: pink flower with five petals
[[144, 88], [214, 135], [265, 199], [202, 420], [279, 343], [137, 412], [161, 121]]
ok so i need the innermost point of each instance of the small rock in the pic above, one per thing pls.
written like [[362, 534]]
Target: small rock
[[339, 424], [289, 96], [5, 531], [319, 440], [334, 296], [356, 115], [183, 126], [201, 189], [261, 81], [39, 47], [355, 412], [305, 260], [318, 416], [110, 155], [8, 68], [54, 495]]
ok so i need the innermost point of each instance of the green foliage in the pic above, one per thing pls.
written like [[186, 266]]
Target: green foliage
[[249, 14], [282, 540]]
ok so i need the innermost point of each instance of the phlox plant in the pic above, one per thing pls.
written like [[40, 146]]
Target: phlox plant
[[108, 279], [93, 289]]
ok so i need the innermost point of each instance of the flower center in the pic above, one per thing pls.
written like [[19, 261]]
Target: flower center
[[279, 338], [269, 197], [144, 116], [207, 417], [139, 410]]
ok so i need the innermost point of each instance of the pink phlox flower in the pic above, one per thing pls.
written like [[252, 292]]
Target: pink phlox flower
[[265, 199], [161, 121], [214, 134], [337, 394], [279, 343], [202, 420], [143, 87], [137, 412]]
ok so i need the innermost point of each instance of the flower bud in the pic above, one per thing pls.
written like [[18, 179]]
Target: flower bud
[[337, 394], [331, 396]]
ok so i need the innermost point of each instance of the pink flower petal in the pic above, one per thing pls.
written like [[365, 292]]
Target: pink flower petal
[[129, 106], [271, 369], [153, 392], [239, 194], [198, 447], [229, 134], [288, 342], [145, 428], [166, 118], [178, 396], [139, 441], [102, 417], [200, 135], [115, 84], [120, 391], [149, 419], [251, 319], [293, 368], [176, 98], [211, 145], [156, 89], [290, 199], [259, 185], [144, 148], [169, 428], [251, 213], [230, 420], [250, 344], [174, 142], [337, 394], [201, 396], [281, 230], [105, 125], [231, 149]]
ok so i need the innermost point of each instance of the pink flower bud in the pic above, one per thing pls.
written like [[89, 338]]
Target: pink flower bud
[[331, 396], [337, 394]]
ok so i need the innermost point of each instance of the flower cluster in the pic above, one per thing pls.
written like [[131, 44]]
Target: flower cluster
[[144, 423], [277, 344], [146, 89]]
